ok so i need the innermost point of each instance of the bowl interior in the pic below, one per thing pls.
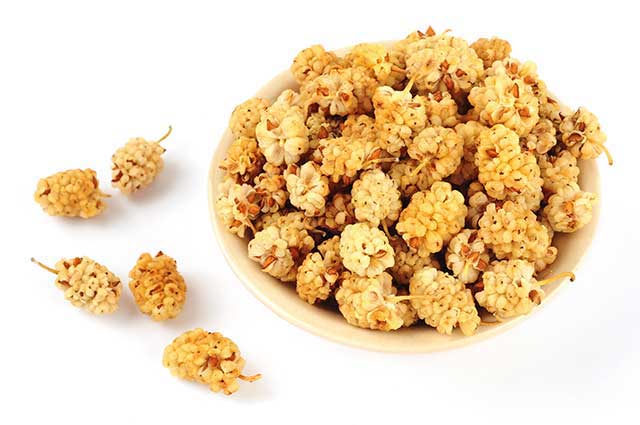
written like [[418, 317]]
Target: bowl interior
[[283, 300]]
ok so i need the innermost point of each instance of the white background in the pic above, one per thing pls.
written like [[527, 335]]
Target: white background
[[78, 79]]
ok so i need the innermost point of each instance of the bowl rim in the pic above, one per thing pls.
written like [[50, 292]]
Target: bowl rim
[[345, 338]]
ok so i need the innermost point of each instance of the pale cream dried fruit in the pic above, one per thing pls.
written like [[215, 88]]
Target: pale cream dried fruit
[[467, 256], [87, 284], [375, 198], [244, 160], [491, 50], [319, 272], [570, 209], [443, 302], [207, 358], [157, 286], [365, 250], [581, 133], [137, 164], [313, 61], [246, 116], [307, 188], [71, 193]]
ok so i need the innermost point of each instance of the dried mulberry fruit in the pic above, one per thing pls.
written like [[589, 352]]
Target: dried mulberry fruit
[[558, 170], [157, 286], [399, 117], [467, 170], [502, 100], [280, 248], [365, 250], [376, 198], [360, 127], [307, 188], [375, 57], [313, 61], [207, 358], [370, 302], [282, 134], [319, 272], [542, 137], [322, 127], [443, 302], [442, 62], [513, 232], [409, 178], [244, 160], [236, 206], [71, 193], [87, 284], [341, 92], [432, 218], [438, 150], [491, 50], [136, 164], [407, 262], [342, 158], [441, 109], [339, 213], [270, 186], [509, 288], [467, 256], [246, 116], [581, 133], [570, 208], [477, 205], [504, 170]]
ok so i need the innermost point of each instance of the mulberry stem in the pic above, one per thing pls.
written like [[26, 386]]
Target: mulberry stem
[[570, 275], [494, 323], [399, 298], [606, 152], [419, 167], [47, 268], [395, 68], [165, 135], [378, 161], [251, 378], [407, 88], [385, 228]]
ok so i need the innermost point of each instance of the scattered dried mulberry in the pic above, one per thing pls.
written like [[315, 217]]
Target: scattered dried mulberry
[[207, 358], [71, 193], [87, 284], [157, 286], [136, 164]]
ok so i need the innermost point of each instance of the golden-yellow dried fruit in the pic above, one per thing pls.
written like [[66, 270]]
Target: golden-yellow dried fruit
[[558, 170], [136, 164], [343, 157], [407, 262], [157, 287], [438, 151], [505, 171], [87, 284], [237, 205], [71, 193], [541, 138], [244, 160], [321, 127], [246, 116], [503, 100], [491, 50], [313, 61], [370, 302], [207, 358], [375, 57], [441, 109], [339, 213], [467, 171], [319, 272], [443, 302], [270, 186], [432, 218]]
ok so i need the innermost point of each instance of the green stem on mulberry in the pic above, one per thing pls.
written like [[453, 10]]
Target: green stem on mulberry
[[47, 268]]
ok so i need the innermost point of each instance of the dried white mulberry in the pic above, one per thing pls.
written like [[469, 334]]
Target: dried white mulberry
[[157, 286], [432, 218], [87, 284], [71, 193], [319, 272], [376, 198], [246, 116], [570, 208], [136, 164], [313, 61], [467, 256], [207, 358], [581, 133], [491, 50], [365, 250], [307, 188]]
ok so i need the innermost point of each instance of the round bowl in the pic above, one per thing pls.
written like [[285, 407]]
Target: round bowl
[[284, 301]]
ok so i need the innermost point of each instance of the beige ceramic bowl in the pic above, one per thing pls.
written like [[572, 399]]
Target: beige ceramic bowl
[[283, 300]]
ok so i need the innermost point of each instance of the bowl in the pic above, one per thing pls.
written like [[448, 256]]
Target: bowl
[[283, 300]]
